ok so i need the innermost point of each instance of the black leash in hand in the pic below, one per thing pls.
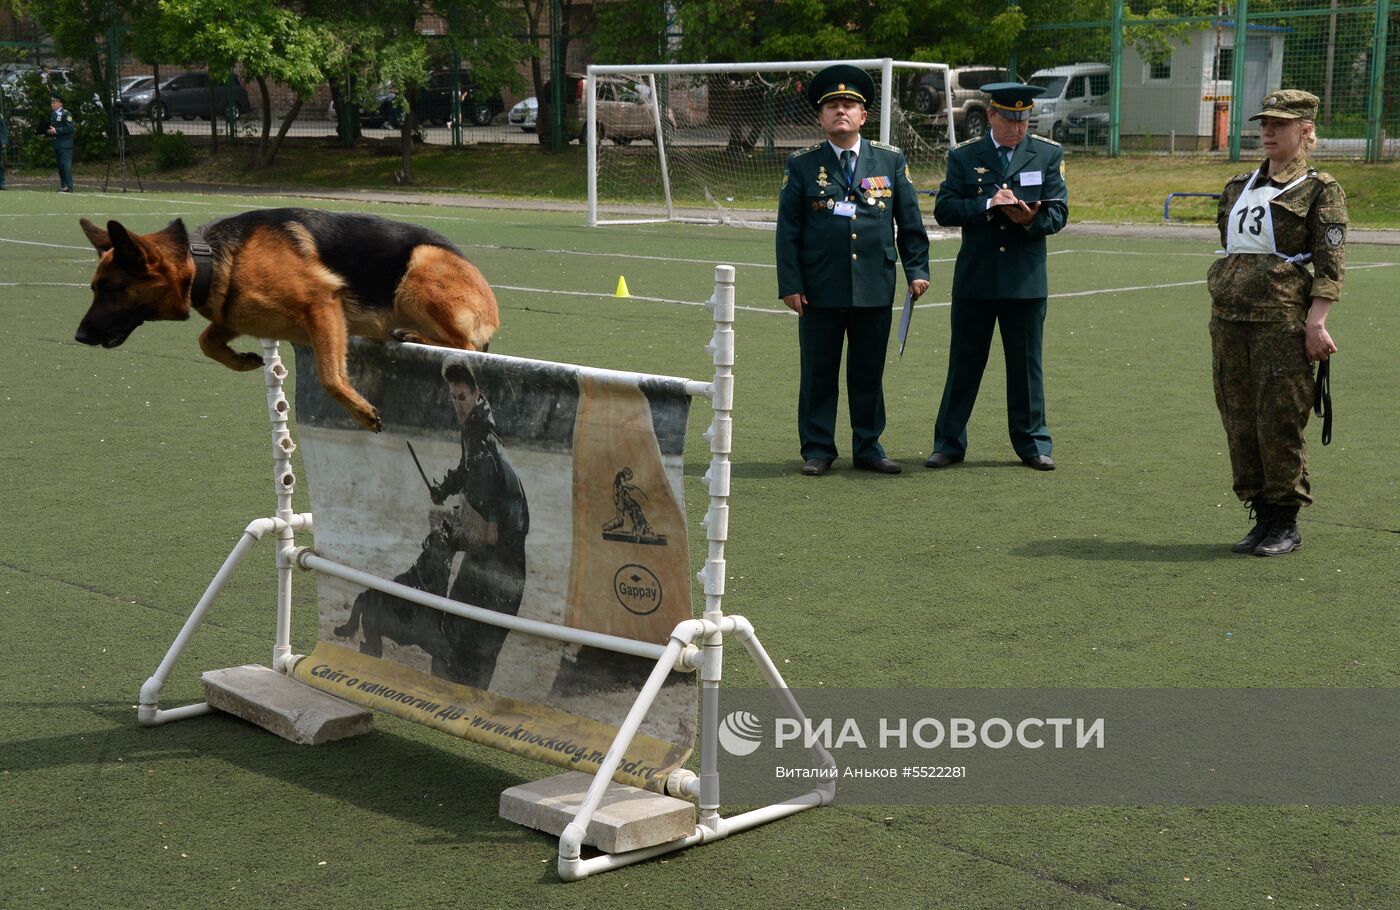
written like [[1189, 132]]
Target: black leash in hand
[[1322, 398]]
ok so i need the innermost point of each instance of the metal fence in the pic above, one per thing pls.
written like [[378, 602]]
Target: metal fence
[[1121, 76], [1181, 75]]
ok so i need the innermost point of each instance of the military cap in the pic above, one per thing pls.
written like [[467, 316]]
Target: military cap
[[841, 81], [1013, 100], [54, 96], [1289, 104]]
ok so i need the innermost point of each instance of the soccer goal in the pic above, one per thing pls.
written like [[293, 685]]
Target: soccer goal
[[708, 142]]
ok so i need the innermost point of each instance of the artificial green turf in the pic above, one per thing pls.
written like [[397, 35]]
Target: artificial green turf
[[129, 474]]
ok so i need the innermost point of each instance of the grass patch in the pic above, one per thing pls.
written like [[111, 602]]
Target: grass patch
[[1127, 189]]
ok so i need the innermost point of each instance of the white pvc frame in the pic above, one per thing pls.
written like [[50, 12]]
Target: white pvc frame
[[886, 66], [695, 644]]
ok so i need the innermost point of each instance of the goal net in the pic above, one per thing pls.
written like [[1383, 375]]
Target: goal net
[[708, 142]]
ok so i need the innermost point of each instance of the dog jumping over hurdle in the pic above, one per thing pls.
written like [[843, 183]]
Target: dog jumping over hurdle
[[300, 275]]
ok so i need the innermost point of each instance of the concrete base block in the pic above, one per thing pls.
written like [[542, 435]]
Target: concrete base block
[[627, 818], [281, 705]]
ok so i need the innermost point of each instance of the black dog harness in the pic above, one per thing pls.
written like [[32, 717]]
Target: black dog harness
[[203, 255]]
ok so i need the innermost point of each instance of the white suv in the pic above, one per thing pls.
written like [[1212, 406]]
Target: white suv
[[1079, 88]]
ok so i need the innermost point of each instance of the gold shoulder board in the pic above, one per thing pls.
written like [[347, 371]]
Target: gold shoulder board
[[1046, 141], [967, 142], [885, 146]]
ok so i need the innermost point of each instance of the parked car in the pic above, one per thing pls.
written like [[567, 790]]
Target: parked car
[[930, 98], [433, 102], [1069, 90], [525, 114], [12, 83], [625, 110], [1087, 128], [187, 95], [371, 113], [130, 85]]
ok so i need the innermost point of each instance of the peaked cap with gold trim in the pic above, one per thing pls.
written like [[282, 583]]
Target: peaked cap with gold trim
[[841, 81], [1013, 100]]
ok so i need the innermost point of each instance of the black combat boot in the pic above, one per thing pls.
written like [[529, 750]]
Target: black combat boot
[[1260, 511], [1283, 537]]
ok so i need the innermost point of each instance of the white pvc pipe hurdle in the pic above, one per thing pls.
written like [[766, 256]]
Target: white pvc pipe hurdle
[[693, 644]]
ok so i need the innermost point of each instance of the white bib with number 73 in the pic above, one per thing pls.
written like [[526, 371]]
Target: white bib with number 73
[[1251, 228]]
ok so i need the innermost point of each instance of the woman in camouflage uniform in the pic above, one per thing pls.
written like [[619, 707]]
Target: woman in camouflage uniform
[[1269, 316]]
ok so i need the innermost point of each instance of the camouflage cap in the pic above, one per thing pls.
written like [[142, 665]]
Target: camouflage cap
[[1289, 104]]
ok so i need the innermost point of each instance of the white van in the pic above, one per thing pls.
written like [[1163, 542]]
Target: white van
[[1075, 89]]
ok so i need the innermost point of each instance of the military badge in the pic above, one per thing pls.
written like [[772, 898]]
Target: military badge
[[785, 180], [906, 174], [1336, 236], [979, 170], [831, 202], [1062, 168], [881, 203]]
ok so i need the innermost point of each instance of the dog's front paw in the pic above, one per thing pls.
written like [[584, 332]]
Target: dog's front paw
[[370, 420], [246, 362], [406, 336]]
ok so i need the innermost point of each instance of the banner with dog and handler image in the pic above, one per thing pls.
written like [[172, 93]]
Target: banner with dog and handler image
[[546, 491]]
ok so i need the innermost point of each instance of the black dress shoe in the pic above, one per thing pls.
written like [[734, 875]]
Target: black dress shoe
[[1040, 462], [879, 465], [939, 460], [816, 467]]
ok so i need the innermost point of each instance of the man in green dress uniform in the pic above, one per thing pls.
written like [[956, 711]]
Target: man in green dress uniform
[[1006, 191], [840, 203], [61, 129]]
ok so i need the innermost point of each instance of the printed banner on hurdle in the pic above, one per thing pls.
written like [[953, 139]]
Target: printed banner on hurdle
[[546, 491]]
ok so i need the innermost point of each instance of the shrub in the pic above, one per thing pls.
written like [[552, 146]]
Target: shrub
[[171, 150]]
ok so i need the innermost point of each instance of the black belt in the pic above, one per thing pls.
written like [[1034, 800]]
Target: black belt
[[1322, 398]]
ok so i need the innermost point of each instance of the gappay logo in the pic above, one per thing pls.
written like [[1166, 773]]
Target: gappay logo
[[637, 589]]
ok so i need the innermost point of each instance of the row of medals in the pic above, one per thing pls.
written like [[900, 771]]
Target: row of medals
[[872, 193]]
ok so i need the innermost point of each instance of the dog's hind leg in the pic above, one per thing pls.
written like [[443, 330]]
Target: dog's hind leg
[[444, 300], [325, 325], [213, 341]]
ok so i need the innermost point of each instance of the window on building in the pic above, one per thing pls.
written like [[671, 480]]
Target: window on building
[[1162, 70], [1224, 63]]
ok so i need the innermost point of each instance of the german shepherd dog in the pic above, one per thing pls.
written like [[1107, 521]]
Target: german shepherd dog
[[299, 275]]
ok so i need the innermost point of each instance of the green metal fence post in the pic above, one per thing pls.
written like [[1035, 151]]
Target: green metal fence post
[[231, 112], [1115, 79], [347, 111], [1375, 98], [557, 139], [1011, 61], [455, 107], [1237, 77]]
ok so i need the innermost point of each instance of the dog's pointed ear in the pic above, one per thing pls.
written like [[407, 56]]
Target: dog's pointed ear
[[175, 230], [125, 248], [95, 235]]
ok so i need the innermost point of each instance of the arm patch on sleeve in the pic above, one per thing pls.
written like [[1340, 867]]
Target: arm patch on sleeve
[[1336, 235]]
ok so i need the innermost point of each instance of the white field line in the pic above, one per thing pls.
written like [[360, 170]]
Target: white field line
[[55, 246]]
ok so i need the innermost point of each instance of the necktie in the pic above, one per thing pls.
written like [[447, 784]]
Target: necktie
[[848, 166], [1005, 152]]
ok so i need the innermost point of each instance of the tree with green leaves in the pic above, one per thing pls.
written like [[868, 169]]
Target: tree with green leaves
[[270, 41]]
